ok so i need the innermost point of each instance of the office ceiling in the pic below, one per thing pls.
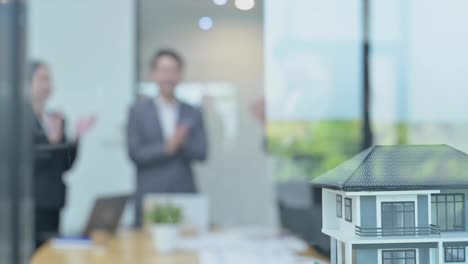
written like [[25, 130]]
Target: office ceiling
[[163, 12]]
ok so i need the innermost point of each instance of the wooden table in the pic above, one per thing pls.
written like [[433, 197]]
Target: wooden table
[[124, 248]]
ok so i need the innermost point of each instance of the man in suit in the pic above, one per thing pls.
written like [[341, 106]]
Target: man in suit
[[165, 135]]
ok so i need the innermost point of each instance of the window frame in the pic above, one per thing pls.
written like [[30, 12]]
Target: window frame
[[403, 213], [349, 217], [405, 251], [446, 201], [339, 206], [458, 249]]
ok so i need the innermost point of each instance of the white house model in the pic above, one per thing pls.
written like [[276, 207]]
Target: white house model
[[397, 205]]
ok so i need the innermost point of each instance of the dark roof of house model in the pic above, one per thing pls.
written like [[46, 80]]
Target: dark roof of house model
[[400, 167]]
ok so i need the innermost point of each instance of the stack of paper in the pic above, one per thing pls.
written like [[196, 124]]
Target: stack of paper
[[233, 257], [247, 247], [72, 243]]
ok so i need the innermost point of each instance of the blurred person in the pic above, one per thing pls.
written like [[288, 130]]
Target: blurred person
[[257, 109], [258, 112], [54, 154], [165, 135]]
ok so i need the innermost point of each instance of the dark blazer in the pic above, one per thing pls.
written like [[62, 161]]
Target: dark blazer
[[156, 170], [50, 163]]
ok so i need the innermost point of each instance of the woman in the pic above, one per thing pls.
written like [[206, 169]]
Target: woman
[[54, 154]]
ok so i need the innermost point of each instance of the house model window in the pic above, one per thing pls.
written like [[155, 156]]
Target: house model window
[[399, 256], [455, 254], [448, 211], [348, 210], [339, 206], [398, 218]]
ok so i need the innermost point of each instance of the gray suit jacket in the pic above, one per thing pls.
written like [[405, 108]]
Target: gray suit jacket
[[156, 170]]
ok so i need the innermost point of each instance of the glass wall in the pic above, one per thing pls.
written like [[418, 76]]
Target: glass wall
[[313, 82], [418, 71]]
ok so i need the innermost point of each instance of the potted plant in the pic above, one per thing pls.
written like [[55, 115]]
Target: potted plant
[[164, 220]]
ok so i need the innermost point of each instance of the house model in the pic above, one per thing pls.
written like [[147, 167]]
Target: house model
[[397, 205]]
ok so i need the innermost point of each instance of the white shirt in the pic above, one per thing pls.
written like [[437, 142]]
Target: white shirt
[[168, 116]]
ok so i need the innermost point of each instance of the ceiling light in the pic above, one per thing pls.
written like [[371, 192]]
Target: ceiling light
[[220, 2], [205, 23], [245, 4]]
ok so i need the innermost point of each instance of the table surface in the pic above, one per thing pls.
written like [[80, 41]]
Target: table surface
[[125, 247]]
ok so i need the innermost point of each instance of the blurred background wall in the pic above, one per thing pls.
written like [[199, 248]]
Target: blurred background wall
[[91, 49], [93, 52]]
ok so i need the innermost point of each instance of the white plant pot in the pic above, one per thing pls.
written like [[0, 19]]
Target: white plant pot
[[165, 237]]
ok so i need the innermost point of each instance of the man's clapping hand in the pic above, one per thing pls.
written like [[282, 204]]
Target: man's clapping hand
[[178, 139]]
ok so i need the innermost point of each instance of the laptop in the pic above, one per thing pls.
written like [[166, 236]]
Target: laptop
[[106, 214]]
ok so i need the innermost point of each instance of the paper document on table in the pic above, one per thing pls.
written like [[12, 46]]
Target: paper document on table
[[239, 241], [72, 243], [247, 246], [233, 257]]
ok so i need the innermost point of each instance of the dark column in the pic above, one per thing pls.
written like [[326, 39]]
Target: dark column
[[367, 131], [16, 214]]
